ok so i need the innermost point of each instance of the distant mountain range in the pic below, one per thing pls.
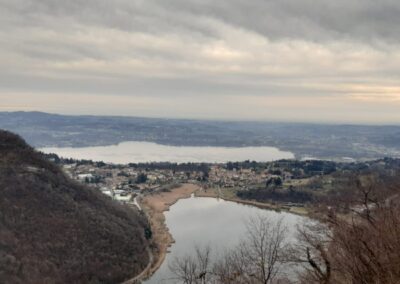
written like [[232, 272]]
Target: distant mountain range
[[53, 230], [304, 140]]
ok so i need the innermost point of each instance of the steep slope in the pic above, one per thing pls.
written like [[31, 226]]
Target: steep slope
[[53, 230]]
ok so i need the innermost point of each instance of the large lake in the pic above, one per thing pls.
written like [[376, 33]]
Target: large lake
[[206, 221], [137, 152]]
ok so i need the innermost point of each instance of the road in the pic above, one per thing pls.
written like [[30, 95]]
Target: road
[[138, 278]]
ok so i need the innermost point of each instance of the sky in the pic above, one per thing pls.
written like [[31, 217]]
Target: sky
[[270, 60]]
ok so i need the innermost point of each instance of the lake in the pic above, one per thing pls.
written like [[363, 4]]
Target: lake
[[141, 152], [206, 221]]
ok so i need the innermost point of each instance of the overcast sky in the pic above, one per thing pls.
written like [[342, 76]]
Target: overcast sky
[[278, 60]]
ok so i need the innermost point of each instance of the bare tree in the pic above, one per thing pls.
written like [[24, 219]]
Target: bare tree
[[193, 269], [263, 250], [312, 252], [257, 259], [232, 268], [362, 247]]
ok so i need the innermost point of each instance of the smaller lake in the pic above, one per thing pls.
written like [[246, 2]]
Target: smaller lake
[[203, 221], [142, 152]]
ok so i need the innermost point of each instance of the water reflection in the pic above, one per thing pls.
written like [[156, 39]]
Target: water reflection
[[208, 221], [135, 152]]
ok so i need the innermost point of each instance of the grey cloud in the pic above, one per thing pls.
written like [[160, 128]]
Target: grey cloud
[[306, 19], [195, 48], [153, 86], [302, 19]]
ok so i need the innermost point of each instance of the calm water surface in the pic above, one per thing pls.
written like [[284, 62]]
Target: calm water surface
[[137, 152], [195, 221], [208, 221]]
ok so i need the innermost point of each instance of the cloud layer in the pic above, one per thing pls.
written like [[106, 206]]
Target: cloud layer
[[302, 60]]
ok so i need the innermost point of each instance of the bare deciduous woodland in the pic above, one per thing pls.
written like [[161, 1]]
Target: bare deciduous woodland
[[54, 230]]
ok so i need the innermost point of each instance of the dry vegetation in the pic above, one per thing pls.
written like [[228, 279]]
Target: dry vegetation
[[357, 241], [359, 247], [259, 258], [53, 230], [154, 205]]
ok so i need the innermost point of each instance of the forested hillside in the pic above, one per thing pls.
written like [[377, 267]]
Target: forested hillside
[[53, 230]]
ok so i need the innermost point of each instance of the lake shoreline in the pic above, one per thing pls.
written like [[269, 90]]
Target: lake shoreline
[[146, 152], [154, 205], [262, 205]]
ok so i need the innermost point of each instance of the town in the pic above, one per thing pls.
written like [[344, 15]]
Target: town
[[287, 182]]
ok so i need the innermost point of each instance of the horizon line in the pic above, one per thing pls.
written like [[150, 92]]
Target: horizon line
[[226, 120]]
